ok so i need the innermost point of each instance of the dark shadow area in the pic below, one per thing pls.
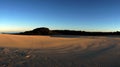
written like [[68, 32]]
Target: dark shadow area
[[99, 52], [66, 36]]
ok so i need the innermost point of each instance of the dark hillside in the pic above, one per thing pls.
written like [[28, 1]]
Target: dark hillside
[[47, 31]]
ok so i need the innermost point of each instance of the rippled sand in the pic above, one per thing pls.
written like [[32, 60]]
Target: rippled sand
[[53, 51]]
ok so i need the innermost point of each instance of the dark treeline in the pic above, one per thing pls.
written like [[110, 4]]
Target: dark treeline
[[47, 31]]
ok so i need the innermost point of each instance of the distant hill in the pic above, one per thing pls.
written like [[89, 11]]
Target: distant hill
[[47, 31], [37, 31]]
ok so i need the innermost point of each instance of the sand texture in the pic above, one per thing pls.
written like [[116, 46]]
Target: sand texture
[[59, 51]]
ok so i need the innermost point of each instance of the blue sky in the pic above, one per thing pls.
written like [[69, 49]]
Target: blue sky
[[88, 15]]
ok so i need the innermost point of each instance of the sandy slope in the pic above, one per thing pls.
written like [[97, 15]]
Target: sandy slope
[[69, 51], [20, 41]]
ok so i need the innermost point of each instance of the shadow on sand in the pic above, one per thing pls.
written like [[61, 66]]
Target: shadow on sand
[[66, 36]]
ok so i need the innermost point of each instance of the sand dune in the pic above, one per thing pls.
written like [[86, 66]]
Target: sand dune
[[47, 51]]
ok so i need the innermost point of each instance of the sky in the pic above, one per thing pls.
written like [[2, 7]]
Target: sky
[[87, 15]]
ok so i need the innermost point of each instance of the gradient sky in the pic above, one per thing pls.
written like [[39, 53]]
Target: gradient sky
[[88, 15]]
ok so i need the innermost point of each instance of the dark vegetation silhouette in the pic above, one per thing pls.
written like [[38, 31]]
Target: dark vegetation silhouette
[[37, 31], [47, 31]]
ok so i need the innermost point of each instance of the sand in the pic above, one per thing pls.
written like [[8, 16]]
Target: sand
[[61, 51]]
